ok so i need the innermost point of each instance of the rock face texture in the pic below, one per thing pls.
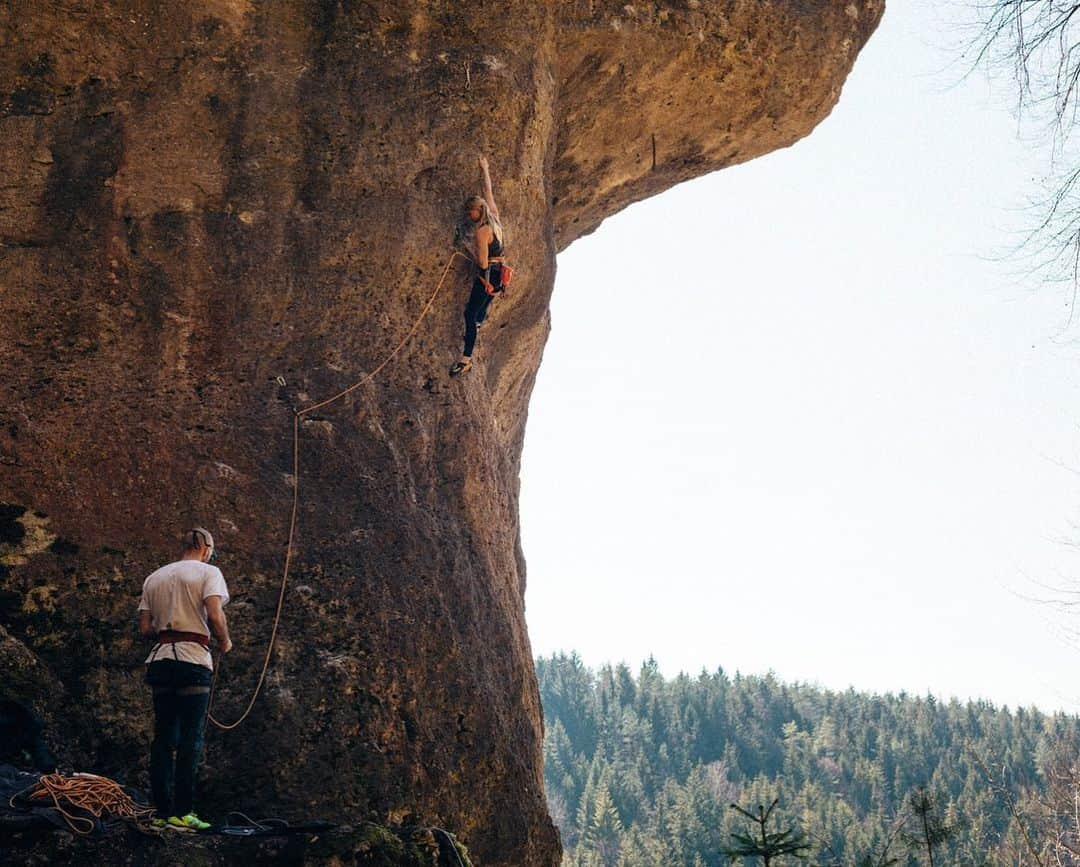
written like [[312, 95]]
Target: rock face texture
[[198, 198]]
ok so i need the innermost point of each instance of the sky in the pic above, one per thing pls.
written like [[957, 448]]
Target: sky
[[839, 440]]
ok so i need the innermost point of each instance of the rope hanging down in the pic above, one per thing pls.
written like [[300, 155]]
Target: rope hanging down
[[297, 415]]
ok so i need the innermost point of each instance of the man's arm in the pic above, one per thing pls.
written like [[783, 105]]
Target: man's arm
[[215, 616], [146, 624]]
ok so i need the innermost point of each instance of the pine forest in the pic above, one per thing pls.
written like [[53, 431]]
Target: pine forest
[[642, 771]]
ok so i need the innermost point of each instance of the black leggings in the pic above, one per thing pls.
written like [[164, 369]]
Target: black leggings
[[475, 313]]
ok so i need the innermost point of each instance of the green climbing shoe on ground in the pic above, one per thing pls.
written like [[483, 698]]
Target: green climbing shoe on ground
[[190, 822]]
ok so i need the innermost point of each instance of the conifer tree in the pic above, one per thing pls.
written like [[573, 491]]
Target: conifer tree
[[932, 830], [762, 843], [606, 829]]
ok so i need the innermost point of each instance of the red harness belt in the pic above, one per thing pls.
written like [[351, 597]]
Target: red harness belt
[[171, 636]]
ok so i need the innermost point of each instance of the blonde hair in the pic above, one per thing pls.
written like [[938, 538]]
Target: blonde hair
[[466, 230]]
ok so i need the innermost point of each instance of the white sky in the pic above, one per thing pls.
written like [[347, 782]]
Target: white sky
[[797, 415]]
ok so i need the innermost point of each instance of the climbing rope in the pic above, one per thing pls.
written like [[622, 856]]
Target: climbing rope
[[452, 844], [90, 793], [297, 416]]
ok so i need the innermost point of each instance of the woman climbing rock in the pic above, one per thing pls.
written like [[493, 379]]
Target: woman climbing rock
[[482, 235]]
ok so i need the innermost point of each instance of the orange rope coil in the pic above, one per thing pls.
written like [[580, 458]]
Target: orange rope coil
[[90, 793]]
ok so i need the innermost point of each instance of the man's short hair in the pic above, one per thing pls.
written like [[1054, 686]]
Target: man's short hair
[[196, 538]]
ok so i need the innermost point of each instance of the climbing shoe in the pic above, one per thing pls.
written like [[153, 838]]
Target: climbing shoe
[[461, 367], [190, 822]]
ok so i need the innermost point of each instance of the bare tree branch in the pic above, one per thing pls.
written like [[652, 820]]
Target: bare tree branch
[[1038, 42]]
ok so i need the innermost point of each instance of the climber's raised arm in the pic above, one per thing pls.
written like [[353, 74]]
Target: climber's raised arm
[[489, 195]]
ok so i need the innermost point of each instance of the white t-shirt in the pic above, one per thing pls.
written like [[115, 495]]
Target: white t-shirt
[[174, 597]]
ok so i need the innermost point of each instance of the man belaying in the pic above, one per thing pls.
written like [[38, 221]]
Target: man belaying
[[482, 235], [181, 605]]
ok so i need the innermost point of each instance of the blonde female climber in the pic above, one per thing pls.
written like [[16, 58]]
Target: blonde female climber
[[482, 235]]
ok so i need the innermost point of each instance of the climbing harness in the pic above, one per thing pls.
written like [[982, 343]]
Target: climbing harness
[[175, 636], [297, 416], [87, 793]]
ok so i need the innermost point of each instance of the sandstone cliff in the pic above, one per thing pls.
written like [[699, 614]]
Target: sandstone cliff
[[198, 198]]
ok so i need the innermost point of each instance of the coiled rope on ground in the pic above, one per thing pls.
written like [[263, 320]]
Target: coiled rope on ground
[[90, 793], [297, 416]]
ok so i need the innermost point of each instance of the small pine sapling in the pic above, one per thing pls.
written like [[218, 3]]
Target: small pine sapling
[[762, 843]]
